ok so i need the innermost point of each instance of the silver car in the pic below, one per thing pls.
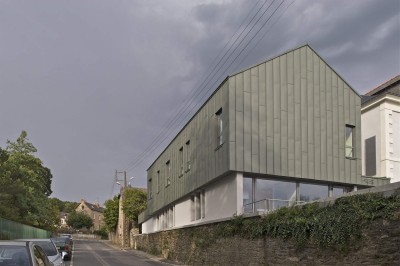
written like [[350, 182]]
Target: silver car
[[22, 253], [50, 249]]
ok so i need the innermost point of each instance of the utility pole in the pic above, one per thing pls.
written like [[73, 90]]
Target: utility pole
[[117, 180], [123, 223]]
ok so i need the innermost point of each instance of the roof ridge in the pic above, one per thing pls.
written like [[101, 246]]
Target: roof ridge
[[384, 85]]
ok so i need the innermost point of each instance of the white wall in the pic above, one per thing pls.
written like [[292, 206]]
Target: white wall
[[182, 213], [370, 126], [382, 119], [148, 226], [223, 199]]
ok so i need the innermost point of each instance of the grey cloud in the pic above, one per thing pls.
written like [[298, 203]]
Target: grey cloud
[[94, 83]]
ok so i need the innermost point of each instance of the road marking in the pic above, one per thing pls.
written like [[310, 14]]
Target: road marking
[[100, 259], [72, 257]]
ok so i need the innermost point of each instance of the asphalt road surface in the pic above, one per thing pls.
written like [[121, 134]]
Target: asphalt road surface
[[100, 253]]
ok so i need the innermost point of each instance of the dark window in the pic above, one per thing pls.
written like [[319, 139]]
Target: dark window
[[187, 156], [220, 129], [150, 189], [370, 156], [158, 181], [182, 166], [168, 176]]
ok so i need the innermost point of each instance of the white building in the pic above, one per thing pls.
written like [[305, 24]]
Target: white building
[[380, 131]]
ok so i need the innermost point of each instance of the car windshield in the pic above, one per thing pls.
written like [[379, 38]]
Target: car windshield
[[59, 241], [47, 247], [13, 255]]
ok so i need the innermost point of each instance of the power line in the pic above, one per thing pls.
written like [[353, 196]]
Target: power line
[[154, 144], [190, 98], [166, 136], [265, 33]]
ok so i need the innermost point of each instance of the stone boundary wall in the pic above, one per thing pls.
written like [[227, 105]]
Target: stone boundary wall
[[113, 237], [380, 246]]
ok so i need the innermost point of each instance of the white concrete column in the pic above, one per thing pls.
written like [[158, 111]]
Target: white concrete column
[[239, 193]]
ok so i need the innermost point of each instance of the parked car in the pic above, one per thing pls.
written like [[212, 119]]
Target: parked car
[[50, 249], [22, 253], [68, 236], [64, 246]]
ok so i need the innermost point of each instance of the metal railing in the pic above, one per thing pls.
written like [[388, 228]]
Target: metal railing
[[13, 230], [267, 205]]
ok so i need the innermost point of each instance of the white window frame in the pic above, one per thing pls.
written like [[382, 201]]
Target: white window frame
[[350, 149]]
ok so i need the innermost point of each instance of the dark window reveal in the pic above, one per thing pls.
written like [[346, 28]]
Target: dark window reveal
[[370, 156]]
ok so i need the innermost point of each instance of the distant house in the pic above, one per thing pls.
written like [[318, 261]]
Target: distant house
[[94, 211], [380, 131], [284, 131], [63, 219]]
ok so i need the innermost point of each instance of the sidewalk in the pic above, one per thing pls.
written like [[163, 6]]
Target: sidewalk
[[142, 254]]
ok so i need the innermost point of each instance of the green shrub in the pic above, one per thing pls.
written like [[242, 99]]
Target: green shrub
[[336, 226]]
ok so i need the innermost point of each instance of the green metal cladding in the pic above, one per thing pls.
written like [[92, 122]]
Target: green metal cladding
[[285, 117]]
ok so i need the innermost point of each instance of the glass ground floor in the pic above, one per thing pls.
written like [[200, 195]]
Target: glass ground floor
[[261, 195]]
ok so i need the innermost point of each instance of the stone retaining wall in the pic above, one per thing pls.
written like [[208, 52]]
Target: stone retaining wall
[[380, 246]]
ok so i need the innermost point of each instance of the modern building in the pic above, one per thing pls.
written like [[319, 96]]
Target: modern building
[[285, 131], [94, 211], [380, 131]]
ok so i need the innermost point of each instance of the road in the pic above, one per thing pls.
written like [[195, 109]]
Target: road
[[93, 252]]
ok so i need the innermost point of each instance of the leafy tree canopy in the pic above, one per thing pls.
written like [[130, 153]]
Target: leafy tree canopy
[[111, 213], [64, 206], [25, 185], [133, 203], [79, 220]]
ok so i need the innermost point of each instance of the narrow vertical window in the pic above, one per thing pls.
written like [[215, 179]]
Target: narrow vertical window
[[350, 149], [181, 162], [370, 156], [198, 206], [158, 181], [188, 156], [220, 129], [171, 217], [150, 189], [192, 208], [168, 175], [203, 204]]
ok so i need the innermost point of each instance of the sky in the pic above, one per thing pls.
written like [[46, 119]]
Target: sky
[[104, 85]]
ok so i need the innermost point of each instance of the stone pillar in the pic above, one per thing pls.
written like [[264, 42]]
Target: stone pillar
[[123, 225]]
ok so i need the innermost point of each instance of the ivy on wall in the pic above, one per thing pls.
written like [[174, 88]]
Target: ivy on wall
[[336, 226]]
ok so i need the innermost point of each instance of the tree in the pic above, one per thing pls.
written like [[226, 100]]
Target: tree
[[78, 220], [25, 185], [111, 213], [133, 203], [64, 206]]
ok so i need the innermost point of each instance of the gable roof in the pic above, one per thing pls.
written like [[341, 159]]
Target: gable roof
[[391, 87], [291, 50], [94, 207]]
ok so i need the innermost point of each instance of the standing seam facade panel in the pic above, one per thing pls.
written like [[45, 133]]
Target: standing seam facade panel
[[310, 131], [285, 117], [203, 153]]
